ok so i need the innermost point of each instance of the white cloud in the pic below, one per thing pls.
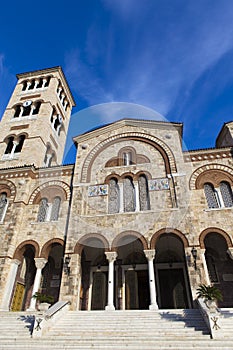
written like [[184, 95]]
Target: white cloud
[[153, 59]]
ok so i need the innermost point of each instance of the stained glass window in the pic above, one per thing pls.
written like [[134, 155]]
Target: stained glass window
[[143, 193], [226, 193], [3, 205], [129, 195], [211, 196], [55, 209], [114, 197], [43, 210]]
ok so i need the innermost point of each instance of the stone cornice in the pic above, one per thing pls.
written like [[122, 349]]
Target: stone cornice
[[139, 123], [32, 172], [207, 154]]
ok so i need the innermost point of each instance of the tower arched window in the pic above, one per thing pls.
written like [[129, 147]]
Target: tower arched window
[[129, 195], [19, 146], [144, 199], [36, 108], [26, 110], [17, 111], [10, 145], [114, 196], [3, 205]]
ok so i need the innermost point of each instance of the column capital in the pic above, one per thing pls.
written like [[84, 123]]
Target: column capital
[[230, 252], [40, 263], [16, 262], [111, 256], [150, 254]]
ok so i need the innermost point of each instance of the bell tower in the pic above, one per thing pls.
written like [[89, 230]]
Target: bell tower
[[35, 123]]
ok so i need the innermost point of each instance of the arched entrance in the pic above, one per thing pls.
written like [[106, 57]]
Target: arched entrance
[[51, 273], [24, 279], [171, 274], [220, 266], [94, 267], [132, 274]]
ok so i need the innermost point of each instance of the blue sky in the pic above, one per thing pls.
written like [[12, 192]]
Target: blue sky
[[172, 56]]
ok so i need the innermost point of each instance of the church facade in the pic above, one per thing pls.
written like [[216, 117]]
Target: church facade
[[135, 223]]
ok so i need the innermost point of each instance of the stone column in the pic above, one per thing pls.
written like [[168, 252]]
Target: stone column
[[121, 190], [10, 281], [40, 264], [150, 255], [207, 277], [111, 256], [137, 203]]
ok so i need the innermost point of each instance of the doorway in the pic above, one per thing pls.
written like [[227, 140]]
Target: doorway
[[172, 288], [136, 288]]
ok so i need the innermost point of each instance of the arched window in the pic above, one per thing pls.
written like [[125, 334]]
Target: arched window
[[129, 195], [32, 85], [144, 199], [17, 111], [114, 196], [36, 108], [55, 209], [49, 211], [226, 193], [43, 210], [10, 145], [127, 158], [26, 110], [25, 84], [211, 196], [3, 205], [20, 144]]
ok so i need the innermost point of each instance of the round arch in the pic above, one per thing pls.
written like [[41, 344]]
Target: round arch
[[205, 232], [81, 243], [213, 172], [62, 186], [163, 148], [46, 248], [22, 246], [168, 230], [117, 239]]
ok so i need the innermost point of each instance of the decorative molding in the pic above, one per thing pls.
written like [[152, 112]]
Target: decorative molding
[[158, 184], [210, 154], [162, 147], [97, 190], [193, 182]]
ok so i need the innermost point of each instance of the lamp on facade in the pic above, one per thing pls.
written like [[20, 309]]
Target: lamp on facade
[[66, 265], [194, 254]]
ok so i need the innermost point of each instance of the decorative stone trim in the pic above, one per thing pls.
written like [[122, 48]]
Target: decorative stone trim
[[208, 167], [158, 184], [116, 242], [60, 184], [206, 155], [205, 232], [97, 190], [157, 143], [168, 230]]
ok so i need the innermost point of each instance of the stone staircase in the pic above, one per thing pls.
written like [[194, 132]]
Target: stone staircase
[[111, 330]]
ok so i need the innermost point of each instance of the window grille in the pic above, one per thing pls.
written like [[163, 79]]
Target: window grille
[[226, 194], [211, 196]]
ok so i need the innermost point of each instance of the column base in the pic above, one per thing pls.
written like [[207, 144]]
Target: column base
[[153, 307], [110, 308]]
